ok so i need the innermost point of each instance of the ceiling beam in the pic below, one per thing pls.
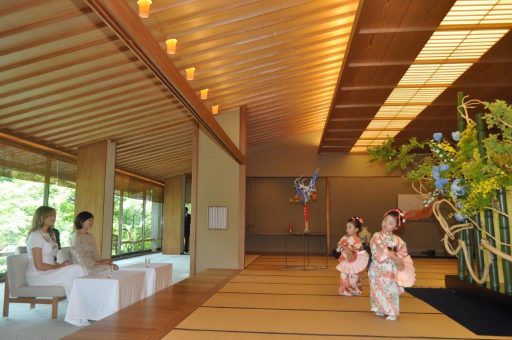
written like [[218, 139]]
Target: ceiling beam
[[122, 19], [344, 64]]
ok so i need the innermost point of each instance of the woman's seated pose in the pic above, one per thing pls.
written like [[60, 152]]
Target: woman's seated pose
[[42, 269], [83, 245]]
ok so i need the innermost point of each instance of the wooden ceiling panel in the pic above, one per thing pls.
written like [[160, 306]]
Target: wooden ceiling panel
[[68, 81], [262, 54], [352, 112], [371, 76], [388, 37], [361, 96], [403, 14]]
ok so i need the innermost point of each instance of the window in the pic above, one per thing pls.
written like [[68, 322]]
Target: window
[[29, 179], [137, 224]]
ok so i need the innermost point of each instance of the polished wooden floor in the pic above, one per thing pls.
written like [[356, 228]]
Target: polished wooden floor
[[270, 301], [157, 315]]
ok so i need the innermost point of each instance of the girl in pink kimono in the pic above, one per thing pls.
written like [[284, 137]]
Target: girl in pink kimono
[[353, 259], [391, 268]]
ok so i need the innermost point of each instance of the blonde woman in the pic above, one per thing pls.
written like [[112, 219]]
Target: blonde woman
[[42, 269], [83, 245]]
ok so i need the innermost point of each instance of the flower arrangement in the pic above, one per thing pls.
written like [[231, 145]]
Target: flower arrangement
[[465, 169], [466, 173], [303, 194]]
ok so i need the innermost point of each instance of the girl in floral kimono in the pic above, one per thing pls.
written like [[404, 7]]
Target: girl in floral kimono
[[391, 268], [353, 259]]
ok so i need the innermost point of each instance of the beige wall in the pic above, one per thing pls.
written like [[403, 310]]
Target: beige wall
[[218, 184], [298, 155], [268, 210], [356, 188]]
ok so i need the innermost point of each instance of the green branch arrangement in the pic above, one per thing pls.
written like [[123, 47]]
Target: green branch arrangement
[[460, 169]]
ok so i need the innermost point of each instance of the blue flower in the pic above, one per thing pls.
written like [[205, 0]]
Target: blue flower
[[456, 136], [440, 183], [437, 136], [457, 188], [444, 167], [435, 172], [459, 217]]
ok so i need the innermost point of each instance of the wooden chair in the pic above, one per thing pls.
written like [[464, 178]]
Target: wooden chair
[[17, 290]]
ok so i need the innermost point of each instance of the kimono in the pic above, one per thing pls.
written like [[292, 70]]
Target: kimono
[[386, 282], [350, 269]]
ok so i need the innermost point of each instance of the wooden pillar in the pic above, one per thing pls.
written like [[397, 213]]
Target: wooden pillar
[[95, 189], [327, 214], [243, 148], [174, 205], [193, 200]]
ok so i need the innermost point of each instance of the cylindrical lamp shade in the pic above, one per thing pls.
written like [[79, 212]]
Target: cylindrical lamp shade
[[204, 94], [144, 8], [171, 46], [190, 73], [215, 109]]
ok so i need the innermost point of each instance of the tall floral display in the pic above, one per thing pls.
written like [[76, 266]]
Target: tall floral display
[[303, 194], [466, 179]]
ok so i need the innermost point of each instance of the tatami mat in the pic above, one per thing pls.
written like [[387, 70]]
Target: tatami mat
[[309, 302], [269, 301], [323, 323], [226, 335]]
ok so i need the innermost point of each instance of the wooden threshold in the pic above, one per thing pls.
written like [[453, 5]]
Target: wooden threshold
[[157, 315]]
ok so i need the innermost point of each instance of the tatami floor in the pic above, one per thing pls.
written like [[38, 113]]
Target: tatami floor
[[269, 301]]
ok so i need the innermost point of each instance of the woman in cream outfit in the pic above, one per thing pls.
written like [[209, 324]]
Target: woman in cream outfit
[[83, 245]]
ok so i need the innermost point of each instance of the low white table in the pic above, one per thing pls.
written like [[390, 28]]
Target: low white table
[[158, 275], [95, 297]]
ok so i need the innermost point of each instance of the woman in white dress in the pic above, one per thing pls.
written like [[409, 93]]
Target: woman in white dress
[[43, 269], [83, 245]]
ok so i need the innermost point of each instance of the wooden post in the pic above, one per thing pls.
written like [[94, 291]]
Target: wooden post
[[174, 215], [327, 213], [95, 190]]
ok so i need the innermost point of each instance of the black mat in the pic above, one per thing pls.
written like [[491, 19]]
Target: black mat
[[476, 314]]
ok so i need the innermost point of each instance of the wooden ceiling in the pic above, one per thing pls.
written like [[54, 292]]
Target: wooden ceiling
[[280, 58], [69, 79], [387, 37]]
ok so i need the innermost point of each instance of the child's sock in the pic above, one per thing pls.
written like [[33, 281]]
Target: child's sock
[[379, 314], [391, 317]]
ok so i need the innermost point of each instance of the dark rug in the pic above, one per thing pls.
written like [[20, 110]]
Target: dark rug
[[474, 313]]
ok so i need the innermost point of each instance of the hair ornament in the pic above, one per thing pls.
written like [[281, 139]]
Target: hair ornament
[[400, 213], [358, 219]]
